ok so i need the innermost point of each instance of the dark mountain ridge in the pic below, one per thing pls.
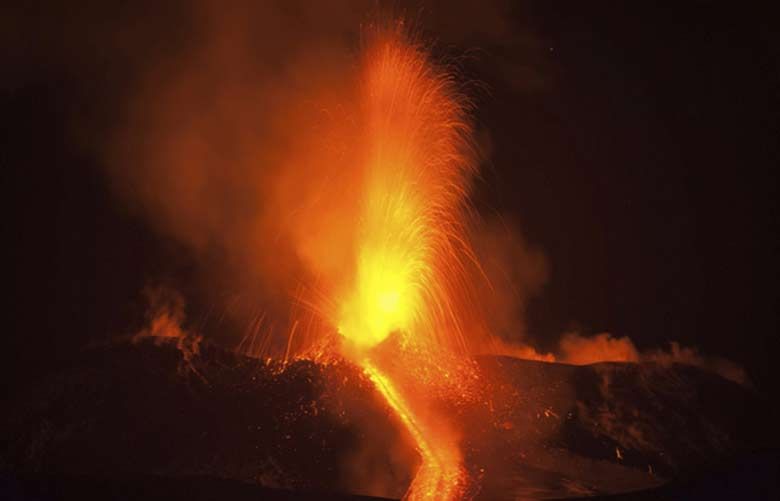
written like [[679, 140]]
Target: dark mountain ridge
[[145, 411]]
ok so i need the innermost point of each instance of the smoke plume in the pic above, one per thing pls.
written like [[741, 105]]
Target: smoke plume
[[238, 142]]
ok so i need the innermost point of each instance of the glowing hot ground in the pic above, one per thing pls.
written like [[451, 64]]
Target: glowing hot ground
[[440, 476]]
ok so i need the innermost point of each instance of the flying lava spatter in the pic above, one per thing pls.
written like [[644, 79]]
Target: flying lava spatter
[[402, 310]]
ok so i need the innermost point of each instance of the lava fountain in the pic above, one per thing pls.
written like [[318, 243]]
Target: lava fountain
[[402, 310], [343, 183]]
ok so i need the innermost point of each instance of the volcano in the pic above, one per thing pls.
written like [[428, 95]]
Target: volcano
[[132, 420]]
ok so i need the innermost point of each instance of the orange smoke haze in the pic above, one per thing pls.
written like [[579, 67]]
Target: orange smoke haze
[[164, 320], [576, 349], [245, 145], [253, 147], [240, 148], [580, 350]]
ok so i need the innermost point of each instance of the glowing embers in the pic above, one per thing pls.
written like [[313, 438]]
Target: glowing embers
[[391, 270], [407, 265]]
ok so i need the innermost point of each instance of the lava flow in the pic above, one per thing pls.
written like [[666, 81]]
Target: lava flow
[[402, 310], [441, 475]]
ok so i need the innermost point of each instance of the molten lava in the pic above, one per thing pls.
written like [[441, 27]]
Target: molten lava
[[411, 253], [441, 475]]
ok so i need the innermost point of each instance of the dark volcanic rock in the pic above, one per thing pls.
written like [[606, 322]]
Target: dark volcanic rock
[[141, 411], [561, 430]]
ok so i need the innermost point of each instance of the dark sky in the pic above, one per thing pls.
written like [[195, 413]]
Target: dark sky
[[633, 143]]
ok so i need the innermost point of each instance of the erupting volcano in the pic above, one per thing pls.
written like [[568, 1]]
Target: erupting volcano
[[360, 325]]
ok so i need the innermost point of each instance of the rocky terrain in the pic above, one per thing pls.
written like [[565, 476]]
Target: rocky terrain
[[139, 420]]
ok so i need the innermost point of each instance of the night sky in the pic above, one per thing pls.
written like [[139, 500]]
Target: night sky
[[634, 144]]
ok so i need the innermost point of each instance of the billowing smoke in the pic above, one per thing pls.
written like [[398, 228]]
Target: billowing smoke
[[235, 129], [239, 143], [581, 350], [165, 320], [576, 349]]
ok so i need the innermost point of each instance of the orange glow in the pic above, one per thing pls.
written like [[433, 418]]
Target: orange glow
[[411, 253], [410, 250], [441, 475], [580, 350], [289, 169]]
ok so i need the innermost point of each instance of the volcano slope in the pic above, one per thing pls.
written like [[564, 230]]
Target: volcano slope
[[139, 420]]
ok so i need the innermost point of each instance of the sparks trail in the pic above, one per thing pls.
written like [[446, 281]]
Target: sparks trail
[[409, 275], [409, 268]]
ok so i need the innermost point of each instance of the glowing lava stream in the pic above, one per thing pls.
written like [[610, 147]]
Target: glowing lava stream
[[440, 476]]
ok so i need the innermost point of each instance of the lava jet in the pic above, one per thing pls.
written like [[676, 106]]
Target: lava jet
[[356, 333]]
